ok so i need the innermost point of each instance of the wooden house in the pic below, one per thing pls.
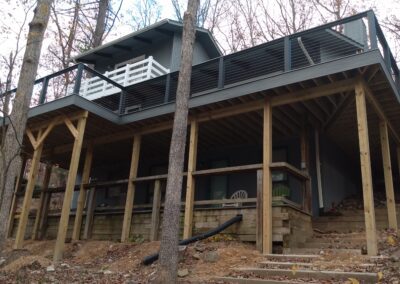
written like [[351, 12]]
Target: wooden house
[[277, 132]]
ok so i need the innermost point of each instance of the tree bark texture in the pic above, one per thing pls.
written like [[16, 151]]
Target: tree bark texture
[[100, 23], [11, 145], [170, 230]]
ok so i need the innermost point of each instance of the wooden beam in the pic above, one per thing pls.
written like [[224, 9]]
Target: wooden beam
[[267, 177], [191, 182], [283, 166], [82, 194], [26, 205], [69, 190], [39, 212], [228, 170], [259, 222], [387, 170], [313, 93], [366, 173], [379, 110], [57, 120], [130, 195], [155, 213], [71, 127], [318, 170], [17, 188]]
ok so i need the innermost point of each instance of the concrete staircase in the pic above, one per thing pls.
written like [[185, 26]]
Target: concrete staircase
[[296, 268]]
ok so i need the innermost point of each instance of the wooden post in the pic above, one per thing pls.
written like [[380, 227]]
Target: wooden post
[[259, 223], [26, 206], [39, 212], [69, 189], [190, 185], [155, 213], [305, 164], [267, 178], [82, 193], [18, 184], [130, 195], [91, 206], [387, 169], [43, 218], [366, 174], [318, 168]]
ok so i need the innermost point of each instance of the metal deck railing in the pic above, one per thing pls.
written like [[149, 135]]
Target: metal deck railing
[[116, 92]]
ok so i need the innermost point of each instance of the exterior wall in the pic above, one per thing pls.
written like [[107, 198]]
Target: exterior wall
[[199, 53], [290, 226], [340, 175]]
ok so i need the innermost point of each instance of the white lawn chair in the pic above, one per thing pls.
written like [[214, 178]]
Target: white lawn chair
[[239, 194]]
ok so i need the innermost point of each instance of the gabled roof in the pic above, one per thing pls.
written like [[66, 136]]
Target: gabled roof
[[139, 40]]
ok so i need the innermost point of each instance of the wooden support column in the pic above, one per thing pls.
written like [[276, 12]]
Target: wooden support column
[[91, 206], [366, 174], [26, 205], [305, 164], [82, 193], [155, 213], [259, 223], [130, 195], [43, 218], [267, 178], [69, 189], [387, 170], [190, 185], [17, 189], [39, 212]]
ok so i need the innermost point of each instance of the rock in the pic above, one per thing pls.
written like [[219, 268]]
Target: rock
[[107, 272], [200, 248], [243, 257], [183, 272], [2, 260], [196, 256], [64, 265], [50, 268], [211, 256]]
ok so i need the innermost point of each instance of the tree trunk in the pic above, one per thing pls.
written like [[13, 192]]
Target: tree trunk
[[12, 142], [100, 23], [170, 231]]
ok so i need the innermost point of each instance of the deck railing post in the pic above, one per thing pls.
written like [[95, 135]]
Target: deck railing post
[[221, 73], [78, 80], [121, 107], [386, 55], [43, 92], [287, 54], [167, 88], [372, 30]]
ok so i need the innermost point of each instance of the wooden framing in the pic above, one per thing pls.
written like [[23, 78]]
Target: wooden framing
[[366, 173], [26, 205], [318, 170], [267, 178], [155, 212], [82, 194], [91, 206], [69, 189], [42, 202], [130, 195], [387, 170], [17, 188], [259, 221], [190, 185]]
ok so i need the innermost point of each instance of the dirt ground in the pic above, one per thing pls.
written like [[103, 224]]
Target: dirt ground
[[111, 262]]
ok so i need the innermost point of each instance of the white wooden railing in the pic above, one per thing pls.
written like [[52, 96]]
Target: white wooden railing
[[130, 74]]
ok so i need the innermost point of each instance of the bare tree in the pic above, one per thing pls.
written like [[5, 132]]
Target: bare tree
[[392, 25], [144, 13], [168, 265], [334, 9], [202, 12], [10, 147]]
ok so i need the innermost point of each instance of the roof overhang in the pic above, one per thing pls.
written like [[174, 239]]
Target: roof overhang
[[138, 41]]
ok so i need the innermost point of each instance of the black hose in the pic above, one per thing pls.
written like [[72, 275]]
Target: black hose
[[153, 257]]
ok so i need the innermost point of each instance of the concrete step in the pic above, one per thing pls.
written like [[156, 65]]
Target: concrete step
[[252, 281], [321, 251], [367, 277], [279, 264], [332, 245]]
